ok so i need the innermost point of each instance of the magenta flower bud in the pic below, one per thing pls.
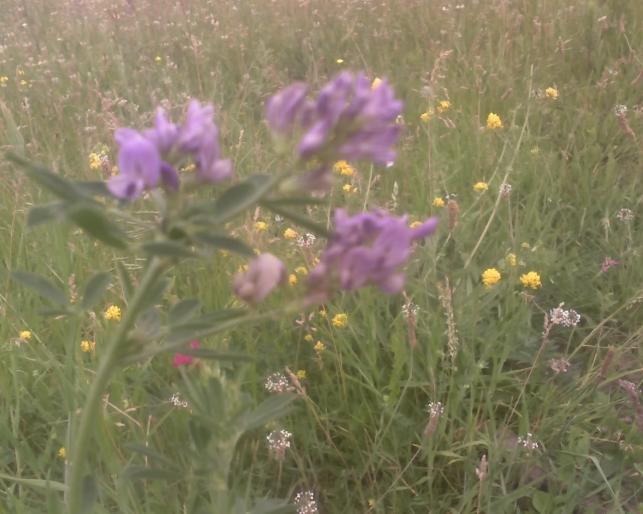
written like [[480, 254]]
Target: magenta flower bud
[[264, 273], [181, 359]]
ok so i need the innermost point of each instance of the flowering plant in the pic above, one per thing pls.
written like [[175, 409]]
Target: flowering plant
[[350, 119]]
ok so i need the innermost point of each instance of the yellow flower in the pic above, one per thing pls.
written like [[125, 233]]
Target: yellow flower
[[438, 201], [301, 374], [24, 83], [3, 80], [511, 259], [490, 277], [340, 320], [340, 61], [319, 347], [444, 106], [113, 312], [308, 338], [480, 187], [535, 150], [158, 58], [343, 168], [95, 161], [323, 312], [301, 270], [62, 453], [426, 116], [415, 224], [292, 279], [376, 83], [494, 121], [531, 280], [551, 93], [261, 226], [87, 346], [25, 335], [290, 234], [347, 188]]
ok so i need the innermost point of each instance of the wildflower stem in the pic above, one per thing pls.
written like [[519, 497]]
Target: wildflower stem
[[84, 433], [368, 188]]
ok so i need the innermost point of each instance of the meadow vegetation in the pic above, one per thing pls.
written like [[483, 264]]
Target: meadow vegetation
[[474, 390]]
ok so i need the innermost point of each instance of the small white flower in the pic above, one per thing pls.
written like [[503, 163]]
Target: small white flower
[[306, 503]]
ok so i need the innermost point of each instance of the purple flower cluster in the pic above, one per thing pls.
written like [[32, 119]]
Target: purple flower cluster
[[147, 159], [368, 248], [350, 119]]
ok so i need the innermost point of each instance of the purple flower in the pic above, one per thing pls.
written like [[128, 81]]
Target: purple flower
[[283, 108], [348, 120], [368, 248], [164, 134], [264, 273], [139, 163]]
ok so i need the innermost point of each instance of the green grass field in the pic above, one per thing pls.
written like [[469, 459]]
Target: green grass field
[[555, 410]]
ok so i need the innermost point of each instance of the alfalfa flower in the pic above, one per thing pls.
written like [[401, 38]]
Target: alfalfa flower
[[490, 277], [551, 93], [112, 313], [367, 248], [24, 336], [493, 121], [264, 273], [139, 163], [348, 120], [438, 202], [340, 320], [480, 187], [531, 280], [87, 346]]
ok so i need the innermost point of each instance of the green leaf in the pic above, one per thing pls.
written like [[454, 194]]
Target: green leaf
[[36, 483], [89, 494], [183, 311], [152, 454], [139, 473], [225, 243], [300, 219], [94, 221], [149, 323], [42, 286], [241, 196], [93, 188], [45, 213], [205, 353], [273, 407], [125, 280], [272, 506], [52, 182], [95, 289], [154, 295], [201, 327], [167, 249], [542, 502]]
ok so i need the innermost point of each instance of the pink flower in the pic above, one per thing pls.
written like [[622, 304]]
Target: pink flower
[[608, 263], [181, 359]]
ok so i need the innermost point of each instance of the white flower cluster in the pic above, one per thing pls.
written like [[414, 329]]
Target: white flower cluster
[[564, 317]]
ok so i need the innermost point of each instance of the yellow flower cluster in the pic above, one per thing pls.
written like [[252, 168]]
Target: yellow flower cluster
[[443, 106], [261, 226], [319, 347], [438, 201], [340, 320], [494, 121], [62, 453], [87, 346], [490, 277], [113, 313], [427, 115], [292, 279], [347, 188], [3, 80], [551, 93], [343, 168], [479, 187], [289, 233], [376, 83], [531, 280], [25, 335]]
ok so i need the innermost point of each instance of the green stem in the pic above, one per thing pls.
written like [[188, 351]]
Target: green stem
[[85, 431]]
